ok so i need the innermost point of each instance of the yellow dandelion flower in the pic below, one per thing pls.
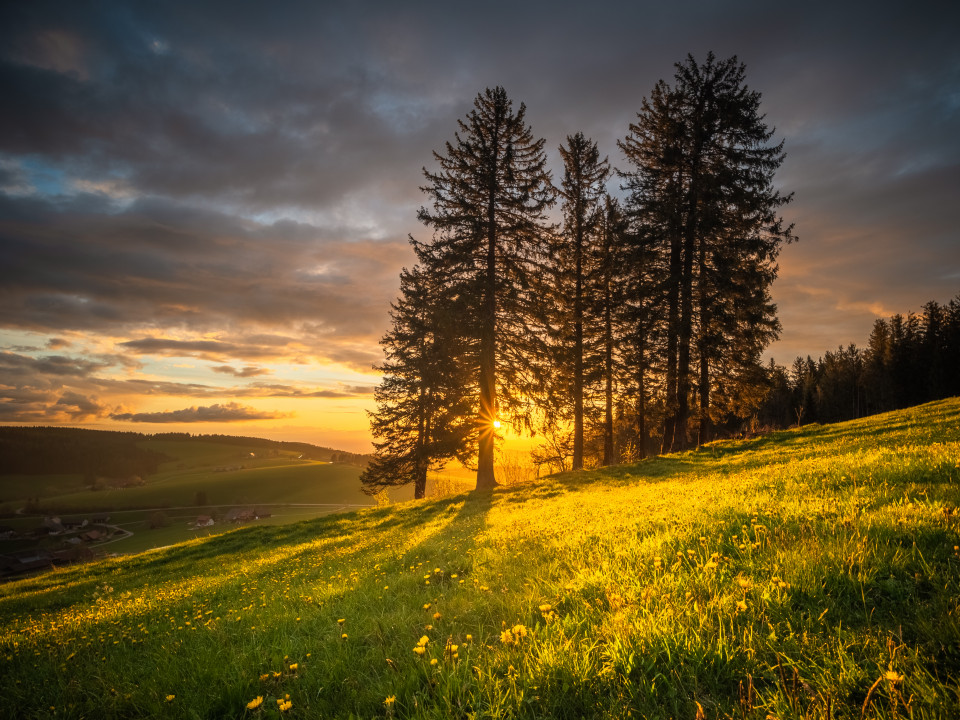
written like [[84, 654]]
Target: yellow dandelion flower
[[342, 621], [293, 666], [423, 641], [426, 606], [741, 605], [390, 700], [284, 706], [433, 661], [506, 637], [255, 703], [170, 698], [744, 583], [545, 608], [454, 648], [420, 650], [893, 676], [265, 676], [343, 636], [469, 638], [428, 627], [436, 616]]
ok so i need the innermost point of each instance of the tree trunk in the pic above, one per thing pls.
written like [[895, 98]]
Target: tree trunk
[[673, 328], [578, 352], [641, 402], [705, 432], [420, 470], [608, 458], [488, 347]]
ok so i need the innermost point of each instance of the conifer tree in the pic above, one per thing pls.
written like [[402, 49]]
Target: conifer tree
[[702, 180], [424, 402], [487, 212], [610, 306], [574, 260]]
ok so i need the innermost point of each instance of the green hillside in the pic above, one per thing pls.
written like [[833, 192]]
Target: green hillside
[[59, 467], [812, 573]]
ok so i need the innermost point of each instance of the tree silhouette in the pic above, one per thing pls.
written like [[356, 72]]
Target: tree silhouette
[[702, 185], [424, 399], [574, 262], [488, 203]]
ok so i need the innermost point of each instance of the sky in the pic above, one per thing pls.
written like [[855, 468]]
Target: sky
[[205, 206]]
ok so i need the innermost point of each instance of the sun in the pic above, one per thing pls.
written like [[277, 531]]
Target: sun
[[496, 424]]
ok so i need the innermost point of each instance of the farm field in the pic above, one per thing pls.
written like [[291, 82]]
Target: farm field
[[811, 573]]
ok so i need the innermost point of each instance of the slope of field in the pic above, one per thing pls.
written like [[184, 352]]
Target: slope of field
[[275, 481], [227, 470], [812, 573]]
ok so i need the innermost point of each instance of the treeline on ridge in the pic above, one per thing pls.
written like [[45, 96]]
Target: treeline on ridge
[[908, 360], [72, 451], [113, 454]]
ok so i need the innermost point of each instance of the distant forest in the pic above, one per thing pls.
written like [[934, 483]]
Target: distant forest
[[908, 360], [100, 453]]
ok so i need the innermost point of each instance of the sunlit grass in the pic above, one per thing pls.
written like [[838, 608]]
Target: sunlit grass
[[811, 573]]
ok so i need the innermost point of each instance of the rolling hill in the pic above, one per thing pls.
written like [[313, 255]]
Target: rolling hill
[[810, 573]]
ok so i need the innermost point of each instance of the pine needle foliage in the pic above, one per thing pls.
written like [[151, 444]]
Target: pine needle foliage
[[488, 203]]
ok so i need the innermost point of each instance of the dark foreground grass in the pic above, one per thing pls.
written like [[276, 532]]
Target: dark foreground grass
[[810, 574]]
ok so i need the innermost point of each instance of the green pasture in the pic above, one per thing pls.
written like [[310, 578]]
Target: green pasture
[[813, 573], [272, 481]]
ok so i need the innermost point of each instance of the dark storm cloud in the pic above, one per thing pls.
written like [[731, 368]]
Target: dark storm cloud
[[231, 412], [236, 182], [156, 265]]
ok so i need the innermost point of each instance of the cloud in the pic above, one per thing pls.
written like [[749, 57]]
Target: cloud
[[248, 371], [59, 388], [233, 290], [287, 391], [225, 182], [17, 368], [231, 412], [79, 407]]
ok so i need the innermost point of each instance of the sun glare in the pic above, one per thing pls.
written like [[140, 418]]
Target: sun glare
[[496, 424]]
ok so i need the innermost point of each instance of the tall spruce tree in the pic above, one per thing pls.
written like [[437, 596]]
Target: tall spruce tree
[[424, 402], [574, 262], [488, 204], [702, 180], [609, 305]]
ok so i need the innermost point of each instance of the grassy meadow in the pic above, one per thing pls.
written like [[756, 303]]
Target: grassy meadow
[[811, 573]]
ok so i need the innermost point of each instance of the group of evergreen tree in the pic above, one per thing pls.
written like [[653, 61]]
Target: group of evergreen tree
[[908, 360], [624, 325]]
